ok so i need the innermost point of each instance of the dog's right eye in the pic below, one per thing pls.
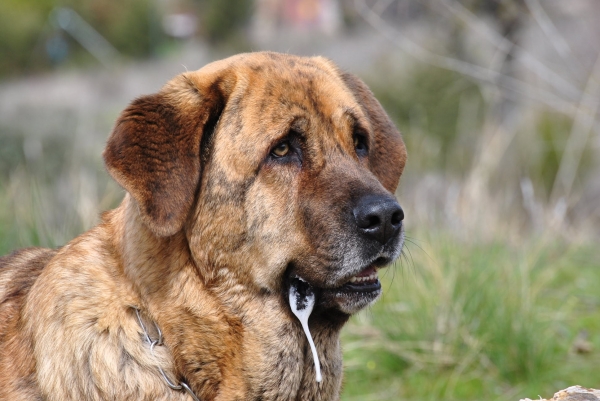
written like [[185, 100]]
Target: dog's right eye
[[360, 145], [281, 149]]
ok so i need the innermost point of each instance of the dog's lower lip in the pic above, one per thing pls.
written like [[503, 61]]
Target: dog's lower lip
[[362, 287]]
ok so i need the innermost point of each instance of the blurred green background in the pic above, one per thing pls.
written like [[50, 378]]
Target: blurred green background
[[496, 295]]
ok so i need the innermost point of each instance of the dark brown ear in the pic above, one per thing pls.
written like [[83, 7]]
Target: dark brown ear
[[154, 149], [388, 158]]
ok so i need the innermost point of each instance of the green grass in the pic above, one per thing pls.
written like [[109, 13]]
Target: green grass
[[478, 321], [50, 199]]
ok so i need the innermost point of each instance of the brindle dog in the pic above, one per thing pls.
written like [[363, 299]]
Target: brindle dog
[[240, 177]]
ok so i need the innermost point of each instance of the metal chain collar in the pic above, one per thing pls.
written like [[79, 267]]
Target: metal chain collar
[[159, 341]]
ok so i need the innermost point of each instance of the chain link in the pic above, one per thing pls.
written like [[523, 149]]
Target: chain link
[[159, 341]]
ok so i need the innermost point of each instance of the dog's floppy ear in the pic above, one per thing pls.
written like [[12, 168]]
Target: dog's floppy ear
[[154, 149], [388, 158]]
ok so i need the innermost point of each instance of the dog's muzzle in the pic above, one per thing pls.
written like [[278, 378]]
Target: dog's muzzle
[[375, 223]]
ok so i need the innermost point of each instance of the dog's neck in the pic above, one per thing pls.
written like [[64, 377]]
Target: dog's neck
[[214, 336]]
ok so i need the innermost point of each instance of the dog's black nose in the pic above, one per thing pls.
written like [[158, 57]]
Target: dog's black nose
[[378, 217]]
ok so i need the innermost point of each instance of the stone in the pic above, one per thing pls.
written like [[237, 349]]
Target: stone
[[573, 393]]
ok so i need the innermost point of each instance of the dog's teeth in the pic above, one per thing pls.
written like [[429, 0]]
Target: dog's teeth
[[370, 277]]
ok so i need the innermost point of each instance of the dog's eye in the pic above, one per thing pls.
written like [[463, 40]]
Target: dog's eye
[[281, 149], [360, 145]]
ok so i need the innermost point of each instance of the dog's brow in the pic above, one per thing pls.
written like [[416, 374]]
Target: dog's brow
[[356, 120], [299, 124]]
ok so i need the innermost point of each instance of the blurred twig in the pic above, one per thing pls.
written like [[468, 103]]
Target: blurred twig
[[566, 88], [555, 38], [585, 118], [477, 72], [91, 40]]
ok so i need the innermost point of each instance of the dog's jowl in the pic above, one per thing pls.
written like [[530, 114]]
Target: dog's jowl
[[252, 177]]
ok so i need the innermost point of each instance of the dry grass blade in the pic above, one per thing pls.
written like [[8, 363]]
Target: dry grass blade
[[583, 125], [473, 71]]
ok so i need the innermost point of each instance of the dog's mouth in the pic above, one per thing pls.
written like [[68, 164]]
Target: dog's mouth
[[355, 292], [366, 281]]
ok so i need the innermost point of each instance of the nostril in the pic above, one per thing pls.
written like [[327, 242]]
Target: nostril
[[373, 221], [367, 221], [397, 217]]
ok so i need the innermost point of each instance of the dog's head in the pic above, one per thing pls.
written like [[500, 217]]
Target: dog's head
[[274, 167]]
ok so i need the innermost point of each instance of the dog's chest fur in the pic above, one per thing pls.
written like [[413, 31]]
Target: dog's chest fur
[[112, 360], [286, 368]]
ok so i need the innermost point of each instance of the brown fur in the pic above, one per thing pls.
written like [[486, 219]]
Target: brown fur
[[204, 241]]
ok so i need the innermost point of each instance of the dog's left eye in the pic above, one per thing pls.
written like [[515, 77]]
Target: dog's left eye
[[360, 145], [281, 149]]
